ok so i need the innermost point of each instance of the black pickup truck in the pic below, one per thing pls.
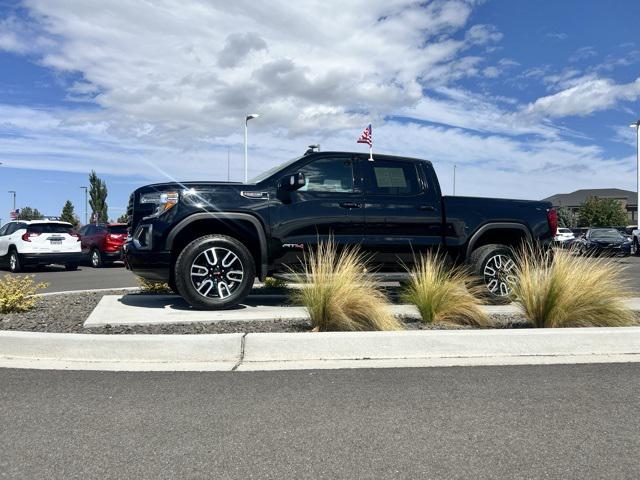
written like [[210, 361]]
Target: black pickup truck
[[210, 240]]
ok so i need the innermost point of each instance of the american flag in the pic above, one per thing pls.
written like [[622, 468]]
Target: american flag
[[366, 137], [15, 214]]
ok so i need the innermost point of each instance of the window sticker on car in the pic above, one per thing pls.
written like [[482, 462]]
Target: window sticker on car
[[390, 177]]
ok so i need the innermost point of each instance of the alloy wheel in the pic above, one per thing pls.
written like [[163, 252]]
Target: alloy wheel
[[499, 275], [95, 259], [13, 262], [216, 273]]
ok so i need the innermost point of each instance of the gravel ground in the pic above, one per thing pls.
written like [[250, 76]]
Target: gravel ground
[[65, 313]]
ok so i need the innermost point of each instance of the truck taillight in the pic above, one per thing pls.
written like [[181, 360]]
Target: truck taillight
[[552, 217]]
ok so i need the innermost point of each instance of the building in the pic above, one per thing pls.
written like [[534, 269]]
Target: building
[[573, 200]]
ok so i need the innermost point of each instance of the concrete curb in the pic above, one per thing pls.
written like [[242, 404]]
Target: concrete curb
[[93, 290], [72, 348], [286, 351]]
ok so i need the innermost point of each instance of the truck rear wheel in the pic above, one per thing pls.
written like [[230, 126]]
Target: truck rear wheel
[[214, 272], [495, 266]]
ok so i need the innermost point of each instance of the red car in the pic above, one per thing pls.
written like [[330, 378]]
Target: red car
[[102, 243]]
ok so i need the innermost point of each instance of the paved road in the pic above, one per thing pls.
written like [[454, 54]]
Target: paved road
[[570, 421], [117, 276], [59, 280]]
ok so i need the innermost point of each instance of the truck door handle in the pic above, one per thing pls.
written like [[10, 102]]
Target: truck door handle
[[427, 208], [350, 205]]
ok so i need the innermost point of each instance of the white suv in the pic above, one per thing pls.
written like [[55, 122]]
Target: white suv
[[39, 242], [564, 235]]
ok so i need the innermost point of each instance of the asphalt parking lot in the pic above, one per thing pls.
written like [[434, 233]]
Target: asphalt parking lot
[[116, 276], [85, 278], [518, 422]]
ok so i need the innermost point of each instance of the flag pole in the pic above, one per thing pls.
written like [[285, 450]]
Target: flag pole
[[371, 153]]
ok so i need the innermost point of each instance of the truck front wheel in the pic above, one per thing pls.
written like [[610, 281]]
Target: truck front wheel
[[494, 264], [214, 272]]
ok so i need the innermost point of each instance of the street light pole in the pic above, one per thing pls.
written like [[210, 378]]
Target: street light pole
[[454, 180], [636, 125], [86, 204], [228, 163], [14, 199], [246, 154]]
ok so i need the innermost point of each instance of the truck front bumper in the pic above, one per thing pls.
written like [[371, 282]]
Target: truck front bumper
[[154, 266]]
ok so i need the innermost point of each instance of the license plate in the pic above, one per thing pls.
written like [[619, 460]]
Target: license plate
[[56, 242]]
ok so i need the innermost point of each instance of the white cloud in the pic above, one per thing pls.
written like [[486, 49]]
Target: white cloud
[[586, 95]]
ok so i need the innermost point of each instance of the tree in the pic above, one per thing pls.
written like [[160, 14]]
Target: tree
[[602, 212], [68, 214], [124, 218], [567, 218], [98, 198], [28, 213]]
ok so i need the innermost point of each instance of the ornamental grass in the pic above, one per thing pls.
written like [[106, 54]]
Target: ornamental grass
[[559, 289], [339, 295], [444, 294]]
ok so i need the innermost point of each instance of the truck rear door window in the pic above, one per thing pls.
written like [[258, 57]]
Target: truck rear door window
[[393, 178]]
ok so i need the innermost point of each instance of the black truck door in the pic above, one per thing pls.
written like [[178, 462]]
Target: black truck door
[[330, 203], [402, 211]]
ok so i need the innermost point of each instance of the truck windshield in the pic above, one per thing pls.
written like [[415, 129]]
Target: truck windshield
[[271, 171]]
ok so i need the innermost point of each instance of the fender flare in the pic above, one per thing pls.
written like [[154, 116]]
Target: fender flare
[[495, 226], [262, 237]]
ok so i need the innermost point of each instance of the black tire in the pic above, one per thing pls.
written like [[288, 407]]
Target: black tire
[[95, 258], [495, 258], [636, 247], [229, 287], [15, 262], [71, 267]]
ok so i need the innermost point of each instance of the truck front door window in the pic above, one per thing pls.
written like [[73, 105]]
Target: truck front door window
[[329, 175]]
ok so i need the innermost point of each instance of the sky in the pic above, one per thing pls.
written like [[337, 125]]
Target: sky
[[526, 98]]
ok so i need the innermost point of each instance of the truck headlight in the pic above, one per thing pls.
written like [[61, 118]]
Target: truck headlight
[[164, 201]]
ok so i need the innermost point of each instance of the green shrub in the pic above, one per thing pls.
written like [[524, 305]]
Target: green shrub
[[444, 294], [338, 294], [558, 289], [17, 293], [275, 283], [149, 286]]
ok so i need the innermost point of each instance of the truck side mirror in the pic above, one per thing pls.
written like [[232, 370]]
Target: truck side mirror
[[292, 182]]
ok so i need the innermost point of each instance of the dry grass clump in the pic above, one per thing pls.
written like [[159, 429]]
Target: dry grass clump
[[444, 294], [339, 295], [149, 286], [17, 293], [558, 289]]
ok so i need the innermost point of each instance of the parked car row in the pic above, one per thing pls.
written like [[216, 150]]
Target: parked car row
[[596, 242], [45, 242]]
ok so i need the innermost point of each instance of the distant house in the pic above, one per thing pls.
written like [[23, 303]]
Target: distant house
[[573, 200]]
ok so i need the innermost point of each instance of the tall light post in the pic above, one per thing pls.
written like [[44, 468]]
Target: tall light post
[[86, 204], [454, 179], [246, 155], [13, 192], [228, 163], [636, 125]]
